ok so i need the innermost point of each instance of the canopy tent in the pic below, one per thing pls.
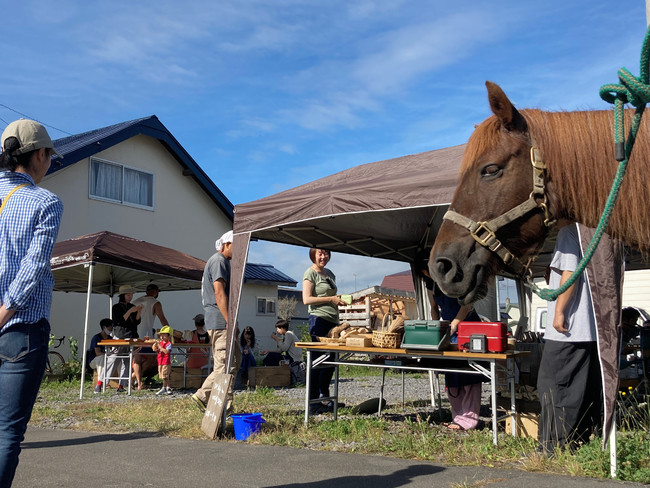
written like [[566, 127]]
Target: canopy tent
[[388, 209], [101, 262]]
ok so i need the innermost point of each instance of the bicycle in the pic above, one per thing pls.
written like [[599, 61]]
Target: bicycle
[[55, 361]]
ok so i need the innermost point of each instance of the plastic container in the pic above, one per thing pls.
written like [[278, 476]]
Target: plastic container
[[246, 424], [426, 334]]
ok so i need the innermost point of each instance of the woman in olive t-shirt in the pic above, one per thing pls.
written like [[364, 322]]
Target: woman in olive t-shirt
[[319, 294]]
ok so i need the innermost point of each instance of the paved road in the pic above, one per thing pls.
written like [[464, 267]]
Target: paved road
[[71, 459]]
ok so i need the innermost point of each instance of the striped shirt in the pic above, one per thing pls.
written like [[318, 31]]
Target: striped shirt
[[29, 225]]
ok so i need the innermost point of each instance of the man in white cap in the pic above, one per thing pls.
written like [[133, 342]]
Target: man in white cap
[[214, 295], [29, 224]]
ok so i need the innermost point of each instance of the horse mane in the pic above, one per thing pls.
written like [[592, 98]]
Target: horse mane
[[578, 148]]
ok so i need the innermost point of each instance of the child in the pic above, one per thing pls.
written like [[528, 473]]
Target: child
[[248, 344], [164, 348]]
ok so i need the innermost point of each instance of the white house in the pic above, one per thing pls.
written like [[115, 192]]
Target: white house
[[135, 179]]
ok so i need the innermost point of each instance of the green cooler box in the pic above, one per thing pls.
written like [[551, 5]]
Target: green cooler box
[[426, 334]]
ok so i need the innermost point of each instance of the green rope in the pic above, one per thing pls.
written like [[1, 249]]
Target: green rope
[[635, 91]]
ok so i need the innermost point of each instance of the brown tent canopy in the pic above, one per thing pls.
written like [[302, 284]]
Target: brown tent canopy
[[120, 260], [101, 262]]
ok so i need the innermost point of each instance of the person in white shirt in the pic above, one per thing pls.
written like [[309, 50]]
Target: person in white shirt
[[144, 359]]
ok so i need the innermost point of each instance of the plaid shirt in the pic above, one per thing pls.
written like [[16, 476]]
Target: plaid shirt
[[29, 224]]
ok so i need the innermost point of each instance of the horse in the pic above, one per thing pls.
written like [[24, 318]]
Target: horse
[[522, 171]]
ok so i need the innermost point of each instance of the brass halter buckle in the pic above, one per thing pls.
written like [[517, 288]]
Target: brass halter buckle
[[485, 236]]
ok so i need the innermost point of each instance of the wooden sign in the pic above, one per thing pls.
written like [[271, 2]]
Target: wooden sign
[[216, 405]]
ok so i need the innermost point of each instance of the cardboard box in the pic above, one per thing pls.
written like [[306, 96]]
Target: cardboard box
[[359, 340], [269, 376], [527, 425], [192, 380]]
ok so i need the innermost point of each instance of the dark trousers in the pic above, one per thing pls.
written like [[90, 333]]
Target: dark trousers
[[570, 394], [23, 354], [319, 378]]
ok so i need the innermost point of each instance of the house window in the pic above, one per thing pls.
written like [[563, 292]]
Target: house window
[[265, 306], [117, 183]]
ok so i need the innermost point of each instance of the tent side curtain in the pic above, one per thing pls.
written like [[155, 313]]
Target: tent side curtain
[[605, 279], [237, 267]]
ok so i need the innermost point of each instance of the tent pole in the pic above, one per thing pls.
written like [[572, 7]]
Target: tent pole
[[83, 355]]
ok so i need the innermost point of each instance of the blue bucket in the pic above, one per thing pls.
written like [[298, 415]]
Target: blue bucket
[[246, 424]]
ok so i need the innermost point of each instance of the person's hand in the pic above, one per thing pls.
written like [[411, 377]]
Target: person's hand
[[245, 351], [559, 322], [273, 336], [5, 315], [264, 353], [336, 300]]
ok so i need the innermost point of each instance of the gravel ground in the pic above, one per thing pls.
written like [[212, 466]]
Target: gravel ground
[[352, 391]]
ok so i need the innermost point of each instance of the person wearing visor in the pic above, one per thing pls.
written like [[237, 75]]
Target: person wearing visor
[[29, 224]]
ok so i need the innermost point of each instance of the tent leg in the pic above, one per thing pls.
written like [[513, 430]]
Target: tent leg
[[613, 464], [83, 354]]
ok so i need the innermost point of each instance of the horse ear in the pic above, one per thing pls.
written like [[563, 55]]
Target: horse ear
[[503, 108]]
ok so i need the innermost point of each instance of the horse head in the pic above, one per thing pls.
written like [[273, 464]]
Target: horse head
[[495, 181]]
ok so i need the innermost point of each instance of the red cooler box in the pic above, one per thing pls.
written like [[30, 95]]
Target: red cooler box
[[495, 332]]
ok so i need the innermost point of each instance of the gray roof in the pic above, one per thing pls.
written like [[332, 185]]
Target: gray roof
[[80, 146], [266, 274]]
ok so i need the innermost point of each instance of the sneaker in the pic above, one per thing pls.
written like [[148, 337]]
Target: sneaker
[[161, 391], [98, 389], [199, 402], [120, 389]]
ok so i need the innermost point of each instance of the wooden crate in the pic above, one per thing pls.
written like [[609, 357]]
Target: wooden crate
[[357, 315], [193, 379], [269, 376]]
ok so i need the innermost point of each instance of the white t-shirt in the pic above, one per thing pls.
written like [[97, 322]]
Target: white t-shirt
[[579, 314], [145, 329]]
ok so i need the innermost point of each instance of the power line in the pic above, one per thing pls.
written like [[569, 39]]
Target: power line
[[32, 118]]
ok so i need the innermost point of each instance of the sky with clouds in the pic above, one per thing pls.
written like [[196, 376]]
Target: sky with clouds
[[268, 95]]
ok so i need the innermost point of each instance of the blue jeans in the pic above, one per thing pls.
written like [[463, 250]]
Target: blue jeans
[[23, 354]]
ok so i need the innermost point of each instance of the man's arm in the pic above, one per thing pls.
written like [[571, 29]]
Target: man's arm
[[559, 319], [158, 312], [221, 297]]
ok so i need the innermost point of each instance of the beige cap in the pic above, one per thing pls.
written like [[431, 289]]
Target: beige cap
[[30, 134], [126, 289]]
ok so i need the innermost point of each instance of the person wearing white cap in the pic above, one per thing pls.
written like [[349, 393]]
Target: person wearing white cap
[[214, 295], [29, 225]]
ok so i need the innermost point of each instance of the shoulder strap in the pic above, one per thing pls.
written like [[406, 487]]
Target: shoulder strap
[[11, 193]]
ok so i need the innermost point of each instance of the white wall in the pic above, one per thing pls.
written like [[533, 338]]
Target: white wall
[[184, 218]]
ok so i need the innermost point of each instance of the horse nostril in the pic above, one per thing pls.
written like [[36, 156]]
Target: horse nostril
[[444, 267]]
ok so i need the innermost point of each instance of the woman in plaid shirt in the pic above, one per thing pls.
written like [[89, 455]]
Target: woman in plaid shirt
[[29, 224]]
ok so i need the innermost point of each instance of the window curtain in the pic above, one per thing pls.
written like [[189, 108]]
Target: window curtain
[[106, 181], [138, 188]]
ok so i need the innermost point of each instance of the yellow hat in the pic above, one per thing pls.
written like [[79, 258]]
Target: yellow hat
[[166, 329]]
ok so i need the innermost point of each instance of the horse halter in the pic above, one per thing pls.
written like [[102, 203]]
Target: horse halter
[[485, 232]]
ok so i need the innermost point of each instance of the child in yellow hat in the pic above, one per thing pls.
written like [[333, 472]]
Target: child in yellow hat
[[164, 348]]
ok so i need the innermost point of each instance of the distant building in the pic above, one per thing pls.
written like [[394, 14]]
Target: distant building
[[399, 281]]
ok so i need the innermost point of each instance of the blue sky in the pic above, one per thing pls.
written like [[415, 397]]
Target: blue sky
[[267, 95]]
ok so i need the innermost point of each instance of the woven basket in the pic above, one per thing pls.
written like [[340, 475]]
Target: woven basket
[[387, 340]]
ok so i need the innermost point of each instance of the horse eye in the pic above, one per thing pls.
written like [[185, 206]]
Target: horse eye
[[491, 170]]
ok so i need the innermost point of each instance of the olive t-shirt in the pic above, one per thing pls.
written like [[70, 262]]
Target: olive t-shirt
[[324, 286]]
